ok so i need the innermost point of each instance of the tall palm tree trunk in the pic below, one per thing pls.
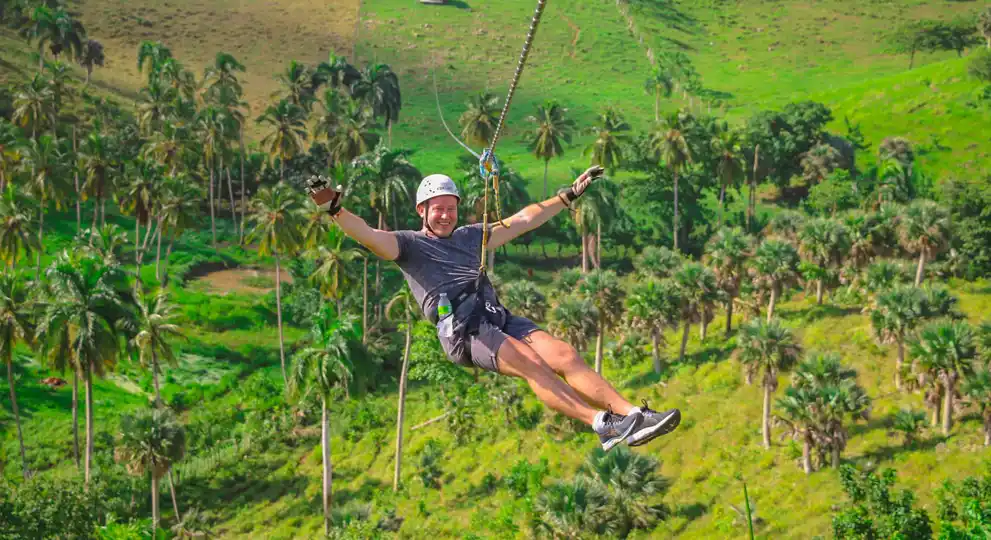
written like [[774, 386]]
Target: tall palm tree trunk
[[836, 456], [722, 204], [41, 238], [899, 363], [158, 252], [213, 222], [278, 316], [546, 162], [327, 473], [703, 324], [948, 407], [75, 178], [17, 414], [243, 201], [766, 418], [598, 244], [921, 270], [770, 304], [137, 241], [598, 344], [155, 512], [364, 301], [88, 381], [676, 209], [819, 292], [752, 200], [684, 340], [168, 255], [729, 316], [655, 342], [75, 415], [402, 402], [807, 455], [230, 193], [584, 248]]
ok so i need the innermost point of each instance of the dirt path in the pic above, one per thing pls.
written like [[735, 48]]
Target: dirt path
[[242, 280]]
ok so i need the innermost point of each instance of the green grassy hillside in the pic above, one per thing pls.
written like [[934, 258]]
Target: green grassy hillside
[[254, 467]]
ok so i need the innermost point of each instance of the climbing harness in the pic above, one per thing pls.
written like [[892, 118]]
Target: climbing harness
[[487, 164]]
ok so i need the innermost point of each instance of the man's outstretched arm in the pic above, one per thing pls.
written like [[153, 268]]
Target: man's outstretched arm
[[382, 243], [537, 214]]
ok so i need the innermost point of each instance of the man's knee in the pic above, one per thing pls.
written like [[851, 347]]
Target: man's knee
[[518, 359]]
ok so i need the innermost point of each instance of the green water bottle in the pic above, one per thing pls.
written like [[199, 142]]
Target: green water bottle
[[444, 320]]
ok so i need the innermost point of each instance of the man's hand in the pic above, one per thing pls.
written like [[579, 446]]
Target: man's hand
[[581, 183], [325, 197]]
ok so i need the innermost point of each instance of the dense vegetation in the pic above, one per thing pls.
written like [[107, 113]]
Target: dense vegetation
[[845, 285]]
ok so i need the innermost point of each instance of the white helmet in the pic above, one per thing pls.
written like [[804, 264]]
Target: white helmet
[[436, 185]]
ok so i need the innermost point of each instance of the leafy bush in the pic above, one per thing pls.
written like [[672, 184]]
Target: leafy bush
[[979, 66], [876, 511], [526, 479], [428, 467]]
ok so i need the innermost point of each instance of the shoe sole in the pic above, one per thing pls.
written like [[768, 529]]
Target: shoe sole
[[608, 445], [663, 427]]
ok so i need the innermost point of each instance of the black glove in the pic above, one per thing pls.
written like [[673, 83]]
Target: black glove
[[323, 195], [581, 183]]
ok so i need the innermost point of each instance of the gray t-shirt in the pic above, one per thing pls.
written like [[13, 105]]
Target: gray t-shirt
[[435, 265]]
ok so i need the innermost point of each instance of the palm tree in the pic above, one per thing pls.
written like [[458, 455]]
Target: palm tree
[[945, 352], [288, 131], [45, 163], [332, 258], [977, 389], [602, 289], [574, 318], [551, 127], [276, 213], [378, 88], [669, 143], [838, 395], [139, 197], [786, 225], [726, 252], [179, 208], [326, 366], [150, 441], [85, 302], [700, 292], [56, 28], [299, 85], [157, 105], [775, 266], [153, 325], [598, 205], [330, 118], [882, 276], [401, 307], [799, 412], [15, 325], [153, 54], [524, 298], [894, 318], [91, 56], [388, 175], [480, 119], [925, 229], [630, 479], [659, 83], [353, 135], [610, 139], [766, 349], [574, 510], [10, 151], [222, 75], [653, 307], [824, 242], [657, 262], [984, 25], [210, 125], [16, 226], [34, 106], [910, 423], [98, 161], [726, 145]]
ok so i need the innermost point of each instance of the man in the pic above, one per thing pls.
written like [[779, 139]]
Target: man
[[445, 258]]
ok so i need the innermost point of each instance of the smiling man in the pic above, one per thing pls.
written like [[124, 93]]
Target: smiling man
[[444, 258]]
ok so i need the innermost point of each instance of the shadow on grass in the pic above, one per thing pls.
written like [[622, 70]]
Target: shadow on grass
[[889, 451], [671, 15], [815, 313], [248, 484]]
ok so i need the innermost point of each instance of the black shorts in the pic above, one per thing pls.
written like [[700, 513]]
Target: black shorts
[[484, 346]]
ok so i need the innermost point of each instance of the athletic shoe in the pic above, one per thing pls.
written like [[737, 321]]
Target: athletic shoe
[[616, 428], [654, 425]]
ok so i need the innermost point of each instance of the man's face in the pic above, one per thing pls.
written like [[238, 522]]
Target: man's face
[[441, 214]]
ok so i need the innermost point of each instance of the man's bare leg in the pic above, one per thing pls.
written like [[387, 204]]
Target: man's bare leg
[[564, 360], [519, 360]]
